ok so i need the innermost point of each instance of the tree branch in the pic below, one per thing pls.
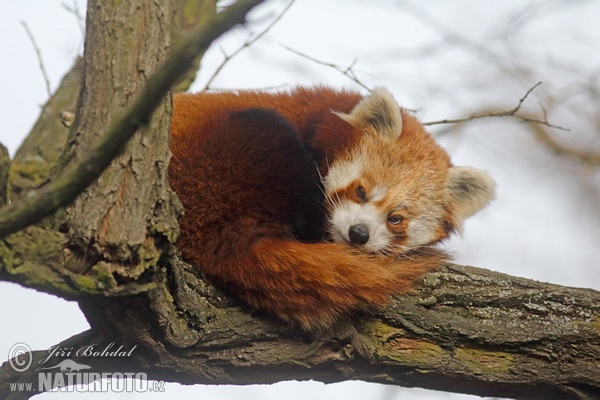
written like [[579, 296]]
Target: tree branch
[[589, 158], [465, 329], [514, 112], [249, 42], [40, 259], [346, 71], [38, 54], [74, 9], [32, 164], [65, 188]]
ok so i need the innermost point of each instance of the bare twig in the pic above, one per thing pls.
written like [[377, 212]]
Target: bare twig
[[346, 71], [454, 36], [74, 9], [249, 42], [514, 112], [589, 158], [39, 57], [79, 175]]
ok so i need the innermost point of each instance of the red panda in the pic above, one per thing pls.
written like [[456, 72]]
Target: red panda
[[313, 203]]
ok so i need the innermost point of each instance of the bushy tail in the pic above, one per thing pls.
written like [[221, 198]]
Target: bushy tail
[[315, 284]]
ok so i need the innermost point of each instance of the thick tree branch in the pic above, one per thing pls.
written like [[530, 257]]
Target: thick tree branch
[[40, 259], [466, 329], [78, 176]]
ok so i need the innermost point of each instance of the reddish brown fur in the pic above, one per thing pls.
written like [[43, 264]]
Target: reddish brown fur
[[237, 234], [309, 110]]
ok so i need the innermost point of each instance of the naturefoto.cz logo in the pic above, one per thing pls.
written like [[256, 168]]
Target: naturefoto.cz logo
[[59, 372]]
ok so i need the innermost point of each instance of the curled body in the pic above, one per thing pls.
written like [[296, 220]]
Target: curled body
[[313, 203]]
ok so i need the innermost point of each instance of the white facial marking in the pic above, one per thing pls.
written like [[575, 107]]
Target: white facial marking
[[420, 232], [377, 193], [348, 213], [342, 174]]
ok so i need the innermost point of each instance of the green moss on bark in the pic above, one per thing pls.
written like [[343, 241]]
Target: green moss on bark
[[484, 361]]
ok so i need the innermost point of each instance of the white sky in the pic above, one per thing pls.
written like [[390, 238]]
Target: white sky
[[545, 224]]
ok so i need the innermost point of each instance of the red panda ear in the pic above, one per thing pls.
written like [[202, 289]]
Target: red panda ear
[[378, 110], [471, 190]]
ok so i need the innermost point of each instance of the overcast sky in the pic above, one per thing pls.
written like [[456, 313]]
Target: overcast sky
[[443, 59]]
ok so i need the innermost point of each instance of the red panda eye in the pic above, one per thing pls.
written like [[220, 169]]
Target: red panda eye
[[395, 219], [361, 193]]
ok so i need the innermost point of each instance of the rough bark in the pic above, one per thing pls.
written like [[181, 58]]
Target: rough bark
[[466, 329], [78, 175], [4, 168], [112, 219]]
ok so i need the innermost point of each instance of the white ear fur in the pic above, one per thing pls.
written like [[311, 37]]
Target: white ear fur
[[471, 190], [380, 110]]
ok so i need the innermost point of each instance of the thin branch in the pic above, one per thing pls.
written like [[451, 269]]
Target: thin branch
[[589, 158], [249, 42], [38, 54], [78, 176], [508, 113], [347, 71], [454, 36], [74, 9]]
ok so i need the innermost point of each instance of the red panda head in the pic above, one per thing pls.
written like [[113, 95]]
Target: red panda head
[[395, 188]]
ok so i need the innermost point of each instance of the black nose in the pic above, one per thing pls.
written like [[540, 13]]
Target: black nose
[[359, 234]]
